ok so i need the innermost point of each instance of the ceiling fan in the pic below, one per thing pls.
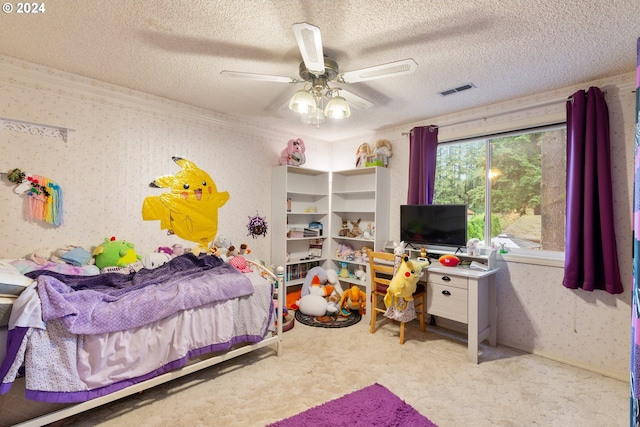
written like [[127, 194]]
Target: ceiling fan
[[318, 71]]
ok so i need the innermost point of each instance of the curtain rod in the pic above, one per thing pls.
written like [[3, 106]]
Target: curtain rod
[[516, 110]]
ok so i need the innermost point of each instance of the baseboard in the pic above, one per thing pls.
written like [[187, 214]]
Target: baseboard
[[622, 376], [462, 329]]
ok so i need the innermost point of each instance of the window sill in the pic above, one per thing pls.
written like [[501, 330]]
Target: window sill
[[547, 259]]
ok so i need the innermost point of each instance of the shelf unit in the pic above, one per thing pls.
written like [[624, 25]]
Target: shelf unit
[[358, 194], [299, 197]]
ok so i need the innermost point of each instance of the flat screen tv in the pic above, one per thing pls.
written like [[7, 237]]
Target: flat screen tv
[[438, 225]]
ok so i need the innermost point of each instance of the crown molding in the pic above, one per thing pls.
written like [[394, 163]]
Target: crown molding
[[26, 75]]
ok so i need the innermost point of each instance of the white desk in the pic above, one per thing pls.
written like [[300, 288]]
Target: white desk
[[466, 296]]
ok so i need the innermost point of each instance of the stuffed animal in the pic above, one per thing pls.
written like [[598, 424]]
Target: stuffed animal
[[344, 229], [355, 229], [117, 253], [382, 151], [473, 247], [155, 260], [353, 299], [293, 155], [362, 153], [404, 283], [315, 292]]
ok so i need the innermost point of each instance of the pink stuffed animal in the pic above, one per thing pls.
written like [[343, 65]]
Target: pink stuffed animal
[[294, 153]]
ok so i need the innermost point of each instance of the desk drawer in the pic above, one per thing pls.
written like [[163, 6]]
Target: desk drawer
[[447, 301], [447, 280]]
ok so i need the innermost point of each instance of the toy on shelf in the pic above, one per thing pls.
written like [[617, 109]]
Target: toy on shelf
[[380, 155], [293, 155], [362, 153], [344, 228], [355, 229]]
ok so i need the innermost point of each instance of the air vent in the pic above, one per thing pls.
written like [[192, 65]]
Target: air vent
[[457, 89]]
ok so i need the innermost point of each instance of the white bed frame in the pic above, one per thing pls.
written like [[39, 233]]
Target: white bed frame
[[185, 370]]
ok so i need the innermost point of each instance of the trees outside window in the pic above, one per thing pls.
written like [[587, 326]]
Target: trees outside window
[[522, 174]]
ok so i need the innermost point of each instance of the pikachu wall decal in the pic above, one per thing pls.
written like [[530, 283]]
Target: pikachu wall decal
[[190, 208]]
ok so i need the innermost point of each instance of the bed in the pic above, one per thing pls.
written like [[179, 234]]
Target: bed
[[89, 340]]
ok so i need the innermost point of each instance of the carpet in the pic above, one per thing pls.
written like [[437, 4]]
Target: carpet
[[329, 321], [372, 406]]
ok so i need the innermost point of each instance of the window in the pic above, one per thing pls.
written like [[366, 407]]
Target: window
[[518, 177]]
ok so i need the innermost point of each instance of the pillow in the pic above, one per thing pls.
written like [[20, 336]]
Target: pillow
[[12, 282], [77, 257]]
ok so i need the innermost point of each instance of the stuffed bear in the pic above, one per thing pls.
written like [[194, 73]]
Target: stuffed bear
[[293, 155]]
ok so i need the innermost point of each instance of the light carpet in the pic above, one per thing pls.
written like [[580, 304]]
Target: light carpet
[[429, 372]]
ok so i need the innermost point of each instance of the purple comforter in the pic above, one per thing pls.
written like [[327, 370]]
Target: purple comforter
[[115, 302]]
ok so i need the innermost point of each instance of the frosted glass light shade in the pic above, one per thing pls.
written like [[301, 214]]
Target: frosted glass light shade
[[337, 108], [302, 102]]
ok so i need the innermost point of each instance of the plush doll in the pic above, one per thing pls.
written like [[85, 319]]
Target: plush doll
[[155, 260], [315, 292], [293, 155], [355, 229], [344, 229], [353, 299], [116, 253], [362, 153], [382, 151], [473, 247], [404, 283]]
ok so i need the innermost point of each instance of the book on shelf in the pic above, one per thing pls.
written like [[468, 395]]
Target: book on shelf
[[295, 232], [311, 232]]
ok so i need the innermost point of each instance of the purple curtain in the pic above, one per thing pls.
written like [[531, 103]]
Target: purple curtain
[[423, 147], [591, 258]]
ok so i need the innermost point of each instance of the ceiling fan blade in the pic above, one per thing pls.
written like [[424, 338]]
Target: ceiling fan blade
[[397, 68], [255, 76], [355, 100], [310, 45]]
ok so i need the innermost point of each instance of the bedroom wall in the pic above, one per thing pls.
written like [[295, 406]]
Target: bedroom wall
[[535, 312], [121, 141]]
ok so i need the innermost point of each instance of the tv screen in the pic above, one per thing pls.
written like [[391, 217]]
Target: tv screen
[[441, 225]]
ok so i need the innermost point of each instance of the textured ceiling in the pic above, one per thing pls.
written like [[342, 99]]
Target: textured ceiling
[[177, 48]]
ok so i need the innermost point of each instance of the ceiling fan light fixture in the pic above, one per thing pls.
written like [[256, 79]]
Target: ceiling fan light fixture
[[302, 102], [337, 108], [315, 118]]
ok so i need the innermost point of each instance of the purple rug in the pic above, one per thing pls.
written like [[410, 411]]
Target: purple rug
[[372, 406]]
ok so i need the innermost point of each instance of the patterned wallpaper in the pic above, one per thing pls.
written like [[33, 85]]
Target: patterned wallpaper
[[535, 312], [122, 140]]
